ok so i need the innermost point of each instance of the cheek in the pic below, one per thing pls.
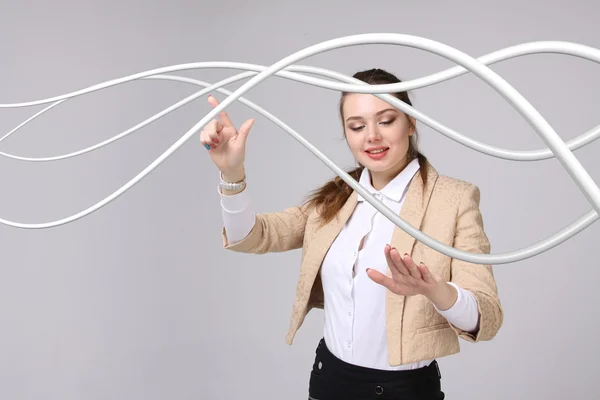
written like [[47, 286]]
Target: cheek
[[399, 138], [354, 143], [402, 141]]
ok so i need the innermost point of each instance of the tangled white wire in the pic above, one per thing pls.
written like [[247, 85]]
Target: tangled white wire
[[285, 68]]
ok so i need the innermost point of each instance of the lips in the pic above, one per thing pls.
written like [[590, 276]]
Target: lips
[[376, 150], [377, 153]]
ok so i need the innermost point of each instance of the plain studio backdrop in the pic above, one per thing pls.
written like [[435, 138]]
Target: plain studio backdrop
[[139, 300]]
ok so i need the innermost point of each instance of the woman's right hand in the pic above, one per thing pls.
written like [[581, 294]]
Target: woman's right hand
[[227, 144]]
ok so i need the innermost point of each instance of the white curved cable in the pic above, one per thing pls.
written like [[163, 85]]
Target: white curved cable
[[538, 248], [514, 155], [208, 88], [561, 151], [566, 48], [544, 245], [558, 47]]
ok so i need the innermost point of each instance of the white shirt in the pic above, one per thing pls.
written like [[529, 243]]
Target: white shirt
[[355, 310]]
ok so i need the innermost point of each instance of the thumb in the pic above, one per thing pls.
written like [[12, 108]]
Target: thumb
[[245, 129]]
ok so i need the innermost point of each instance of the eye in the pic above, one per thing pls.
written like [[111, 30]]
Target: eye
[[356, 128], [389, 122]]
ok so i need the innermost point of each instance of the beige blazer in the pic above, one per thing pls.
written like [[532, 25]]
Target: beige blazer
[[446, 209]]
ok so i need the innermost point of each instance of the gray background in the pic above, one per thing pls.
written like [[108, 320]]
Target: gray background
[[139, 301]]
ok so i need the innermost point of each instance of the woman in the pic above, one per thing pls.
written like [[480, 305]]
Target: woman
[[391, 304]]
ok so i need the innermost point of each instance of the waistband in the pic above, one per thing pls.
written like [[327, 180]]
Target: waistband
[[360, 373], [333, 379]]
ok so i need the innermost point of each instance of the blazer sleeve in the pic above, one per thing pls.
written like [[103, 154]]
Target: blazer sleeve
[[273, 232], [478, 279]]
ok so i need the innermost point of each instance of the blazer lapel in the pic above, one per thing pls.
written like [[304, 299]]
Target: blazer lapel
[[315, 252], [324, 237], [317, 248], [413, 211]]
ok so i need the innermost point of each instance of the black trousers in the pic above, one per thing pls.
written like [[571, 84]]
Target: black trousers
[[334, 379]]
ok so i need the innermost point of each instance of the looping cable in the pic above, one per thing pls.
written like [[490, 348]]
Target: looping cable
[[288, 69]]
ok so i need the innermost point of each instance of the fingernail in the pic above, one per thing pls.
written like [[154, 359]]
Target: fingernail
[[207, 146]]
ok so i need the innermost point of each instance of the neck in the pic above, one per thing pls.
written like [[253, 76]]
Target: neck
[[380, 179]]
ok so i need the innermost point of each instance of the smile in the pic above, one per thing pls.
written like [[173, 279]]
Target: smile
[[377, 154]]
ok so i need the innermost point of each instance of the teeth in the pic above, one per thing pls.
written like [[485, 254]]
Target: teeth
[[377, 151]]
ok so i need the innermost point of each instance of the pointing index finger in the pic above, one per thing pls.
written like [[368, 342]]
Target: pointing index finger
[[225, 120]]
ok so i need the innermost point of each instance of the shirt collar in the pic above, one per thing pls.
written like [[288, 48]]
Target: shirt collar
[[395, 189]]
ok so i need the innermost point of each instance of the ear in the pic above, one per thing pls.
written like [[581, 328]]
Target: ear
[[413, 124]]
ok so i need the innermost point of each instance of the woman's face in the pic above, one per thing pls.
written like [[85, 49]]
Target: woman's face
[[378, 135]]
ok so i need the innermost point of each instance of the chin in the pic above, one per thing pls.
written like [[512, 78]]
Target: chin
[[385, 164], [378, 165], [375, 167]]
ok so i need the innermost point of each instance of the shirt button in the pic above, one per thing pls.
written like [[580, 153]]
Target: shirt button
[[349, 313], [349, 345]]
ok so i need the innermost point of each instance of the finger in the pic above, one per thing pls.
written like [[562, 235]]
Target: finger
[[397, 274], [214, 131], [206, 145], [215, 126], [412, 267], [427, 276], [388, 257], [381, 279], [395, 261], [245, 129], [213, 137], [401, 279], [225, 120], [205, 137], [211, 134], [205, 140]]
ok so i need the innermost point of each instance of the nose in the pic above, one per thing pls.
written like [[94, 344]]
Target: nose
[[373, 135]]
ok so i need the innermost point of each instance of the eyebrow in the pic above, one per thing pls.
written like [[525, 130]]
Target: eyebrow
[[378, 113]]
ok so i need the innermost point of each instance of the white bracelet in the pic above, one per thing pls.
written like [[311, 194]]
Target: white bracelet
[[232, 186]]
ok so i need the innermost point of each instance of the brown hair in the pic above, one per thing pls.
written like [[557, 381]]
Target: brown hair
[[331, 197]]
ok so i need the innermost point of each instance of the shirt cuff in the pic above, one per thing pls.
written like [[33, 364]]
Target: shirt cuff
[[464, 313], [234, 203], [238, 216]]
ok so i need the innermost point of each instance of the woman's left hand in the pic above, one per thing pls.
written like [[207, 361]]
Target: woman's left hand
[[408, 279]]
